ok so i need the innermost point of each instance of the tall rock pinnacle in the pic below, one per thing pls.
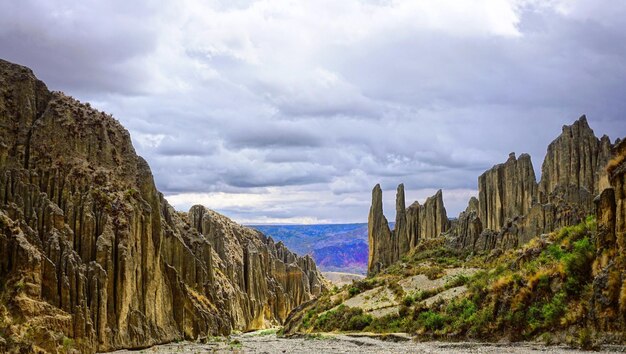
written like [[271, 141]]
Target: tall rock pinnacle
[[379, 235]]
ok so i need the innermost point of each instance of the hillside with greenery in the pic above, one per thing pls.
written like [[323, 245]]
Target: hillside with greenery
[[539, 291]]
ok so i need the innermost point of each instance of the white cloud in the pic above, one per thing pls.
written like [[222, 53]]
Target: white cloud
[[293, 110]]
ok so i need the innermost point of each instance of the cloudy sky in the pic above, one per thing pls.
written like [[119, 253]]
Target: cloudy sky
[[279, 111]]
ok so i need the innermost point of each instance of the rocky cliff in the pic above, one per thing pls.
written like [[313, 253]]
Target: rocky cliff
[[512, 207], [609, 269], [413, 224], [93, 257], [506, 190]]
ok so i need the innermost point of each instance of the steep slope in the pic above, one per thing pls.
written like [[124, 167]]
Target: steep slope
[[93, 257], [512, 207], [525, 261], [565, 286]]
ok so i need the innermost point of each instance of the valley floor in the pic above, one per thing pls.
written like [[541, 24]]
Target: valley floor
[[264, 342]]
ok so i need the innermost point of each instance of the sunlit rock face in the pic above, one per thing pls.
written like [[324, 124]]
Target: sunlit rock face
[[91, 254], [511, 208]]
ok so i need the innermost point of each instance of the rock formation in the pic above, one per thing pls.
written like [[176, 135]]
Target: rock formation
[[468, 227], [576, 158], [91, 254], [512, 207], [609, 286], [379, 236], [506, 190], [413, 224]]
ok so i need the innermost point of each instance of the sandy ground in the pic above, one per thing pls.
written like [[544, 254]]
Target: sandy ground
[[259, 342], [340, 279]]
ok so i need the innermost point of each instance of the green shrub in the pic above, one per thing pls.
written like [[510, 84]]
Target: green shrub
[[353, 291], [408, 300], [458, 280], [358, 322], [577, 265], [553, 310], [343, 318], [431, 320], [433, 273]]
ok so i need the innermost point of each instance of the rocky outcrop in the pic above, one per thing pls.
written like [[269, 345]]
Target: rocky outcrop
[[413, 224], [576, 158], [468, 228], [608, 309], [512, 207], [93, 257], [400, 231], [506, 191], [381, 244]]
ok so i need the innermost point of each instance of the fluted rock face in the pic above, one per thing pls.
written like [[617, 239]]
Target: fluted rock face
[[400, 232], [91, 251], [468, 228], [609, 269], [576, 158], [413, 224], [505, 191], [379, 237], [512, 207], [433, 219]]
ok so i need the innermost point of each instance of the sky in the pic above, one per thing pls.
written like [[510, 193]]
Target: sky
[[277, 111]]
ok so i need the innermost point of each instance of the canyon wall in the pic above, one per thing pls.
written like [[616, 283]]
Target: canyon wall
[[512, 207], [94, 258], [608, 308]]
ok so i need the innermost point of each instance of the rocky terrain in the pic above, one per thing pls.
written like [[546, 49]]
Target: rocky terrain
[[512, 207], [93, 258], [540, 261], [268, 342]]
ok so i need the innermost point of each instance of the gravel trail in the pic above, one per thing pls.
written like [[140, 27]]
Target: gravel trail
[[258, 342]]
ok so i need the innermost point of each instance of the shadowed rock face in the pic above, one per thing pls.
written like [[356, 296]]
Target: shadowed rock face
[[90, 250], [609, 269], [511, 207]]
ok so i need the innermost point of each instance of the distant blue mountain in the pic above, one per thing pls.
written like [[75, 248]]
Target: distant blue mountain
[[335, 247]]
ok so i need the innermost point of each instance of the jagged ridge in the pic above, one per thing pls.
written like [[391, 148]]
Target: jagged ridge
[[512, 207], [93, 257]]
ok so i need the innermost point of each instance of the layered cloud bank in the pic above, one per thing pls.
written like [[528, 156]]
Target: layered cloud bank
[[289, 111]]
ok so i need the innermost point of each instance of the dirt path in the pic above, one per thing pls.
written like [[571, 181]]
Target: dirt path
[[258, 342]]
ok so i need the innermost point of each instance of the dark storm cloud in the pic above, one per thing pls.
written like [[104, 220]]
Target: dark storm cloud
[[274, 112]]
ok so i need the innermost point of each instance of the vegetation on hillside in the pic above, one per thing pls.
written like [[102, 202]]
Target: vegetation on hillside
[[532, 292]]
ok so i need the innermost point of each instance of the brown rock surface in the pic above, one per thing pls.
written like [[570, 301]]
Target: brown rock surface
[[468, 228], [93, 257], [413, 224], [506, 190], [512, 207], [379, 236], [576, 158], [609, 269]]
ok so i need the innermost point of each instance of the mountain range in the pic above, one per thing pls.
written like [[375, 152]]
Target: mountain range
[[334, 247]]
